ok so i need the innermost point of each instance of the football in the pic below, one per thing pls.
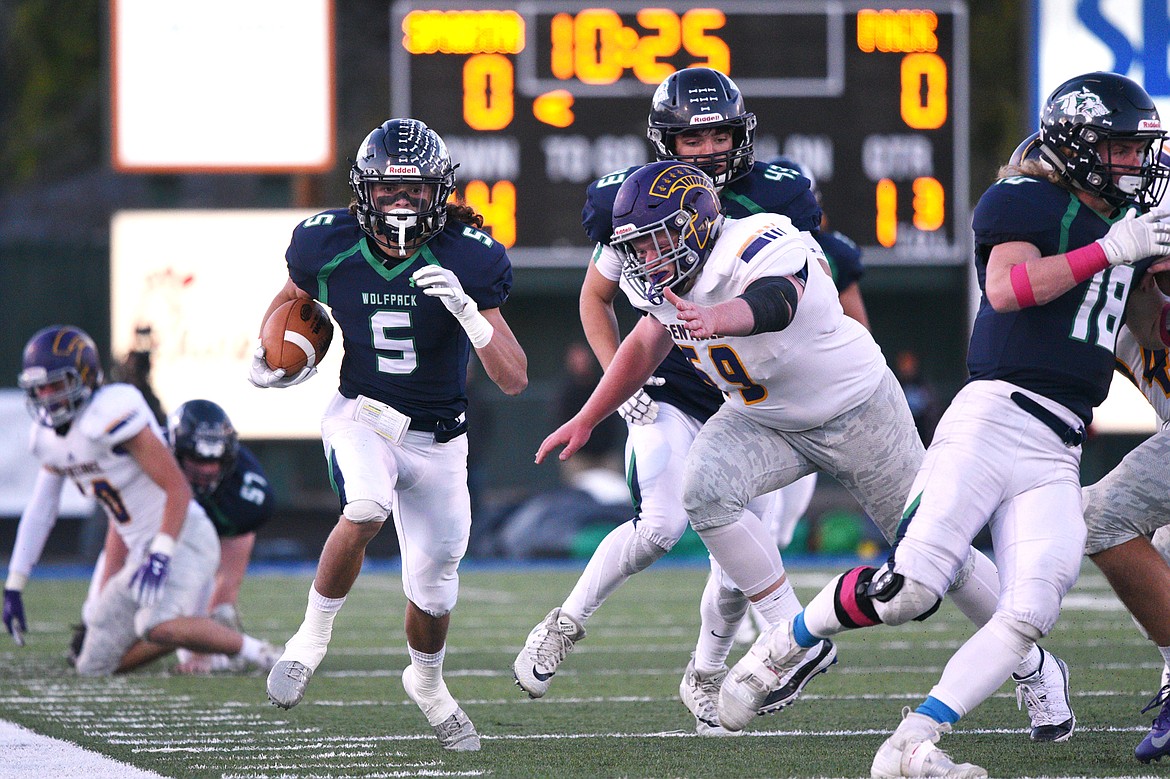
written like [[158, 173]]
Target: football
[[297, 334]]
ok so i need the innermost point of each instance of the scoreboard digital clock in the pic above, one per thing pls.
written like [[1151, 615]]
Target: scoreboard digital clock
[[538, 99]]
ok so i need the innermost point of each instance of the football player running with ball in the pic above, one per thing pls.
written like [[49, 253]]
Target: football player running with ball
[[415, 286], [1060, 246], [105, 439]]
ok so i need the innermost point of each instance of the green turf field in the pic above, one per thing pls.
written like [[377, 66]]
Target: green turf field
[[613, 710]]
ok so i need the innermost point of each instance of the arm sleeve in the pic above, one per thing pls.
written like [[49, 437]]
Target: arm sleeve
[[37, 521]]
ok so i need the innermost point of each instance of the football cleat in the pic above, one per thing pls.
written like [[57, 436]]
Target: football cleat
[[911, 751], [775, 663], [287, 682], [1045, 693], [456, 731], [548, 644], [700, 694], [75, 642], [1156, 744], [816, 662]]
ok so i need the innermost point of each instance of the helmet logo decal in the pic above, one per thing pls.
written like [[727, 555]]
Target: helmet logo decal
[[707, 118], [403, 170], [1083, 103], [684, 178]]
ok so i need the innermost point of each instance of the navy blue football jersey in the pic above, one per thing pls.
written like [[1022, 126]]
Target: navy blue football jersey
[[1063, 349], [401, 347], [243, 501], [844, 257], [771, 189]]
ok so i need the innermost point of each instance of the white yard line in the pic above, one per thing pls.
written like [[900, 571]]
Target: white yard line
[[28, 755]]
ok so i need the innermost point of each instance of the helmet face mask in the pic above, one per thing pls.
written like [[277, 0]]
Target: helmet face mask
[[204, 442], [1087, 123], [60, 370], [666, 219], [403, 156], [702, 99]]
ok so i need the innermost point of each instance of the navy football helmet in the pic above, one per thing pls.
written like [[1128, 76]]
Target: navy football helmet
[[1029, 149], [673, 207], [407, 155], [699, 98], [60, 370], [1084, 111], [200, 434]]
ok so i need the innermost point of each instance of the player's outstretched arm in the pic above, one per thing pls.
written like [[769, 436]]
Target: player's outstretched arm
[[158, 463]]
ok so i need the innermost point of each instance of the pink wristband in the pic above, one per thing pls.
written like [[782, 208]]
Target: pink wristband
[[1087, 261], [1022, 286]]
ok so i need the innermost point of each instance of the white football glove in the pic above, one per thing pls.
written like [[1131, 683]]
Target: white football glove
[[262, 376], [640, 408], [442, 284], [1134, 237]]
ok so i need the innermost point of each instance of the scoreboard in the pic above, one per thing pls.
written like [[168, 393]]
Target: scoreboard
[[537, 99]]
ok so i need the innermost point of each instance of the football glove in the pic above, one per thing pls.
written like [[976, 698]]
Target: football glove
[[640, 408], [1134, 237], [14, 616], [149, 578], [443, 284], [262, 376]]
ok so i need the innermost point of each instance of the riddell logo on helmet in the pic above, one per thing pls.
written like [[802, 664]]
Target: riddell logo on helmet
[[1149, 124], [621, 230], [403, 170], [706, 118]]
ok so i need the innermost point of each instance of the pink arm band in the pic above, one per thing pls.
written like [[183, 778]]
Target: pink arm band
[[1022, 286], [1086, 262]]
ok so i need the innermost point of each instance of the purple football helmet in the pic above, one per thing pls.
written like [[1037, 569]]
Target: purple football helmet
[[672, 207], [59, 372], [1096, 107]]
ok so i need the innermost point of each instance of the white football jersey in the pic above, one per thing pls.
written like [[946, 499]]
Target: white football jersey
[[1155, 384], [90, 456], [820, 366]]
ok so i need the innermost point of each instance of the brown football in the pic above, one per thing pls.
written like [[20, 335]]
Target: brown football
[[297, 333]]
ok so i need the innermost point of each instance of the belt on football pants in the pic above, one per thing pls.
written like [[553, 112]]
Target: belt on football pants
[[1069, 436], [444, 429]]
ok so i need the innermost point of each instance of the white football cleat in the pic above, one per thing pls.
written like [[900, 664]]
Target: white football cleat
[[1045, 693], [455, 732], [774, 663], [911, 751], [700, 694], [548, 644], [287, 682]]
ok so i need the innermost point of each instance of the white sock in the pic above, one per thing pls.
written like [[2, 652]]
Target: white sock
[[309, 643], [251, 649], [430, 691], [720, 612], [780, 605]]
